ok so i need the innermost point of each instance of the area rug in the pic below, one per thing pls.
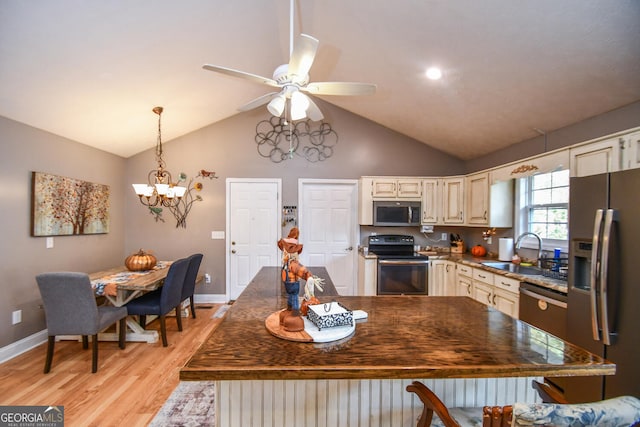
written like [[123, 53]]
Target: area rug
[[192, 404]]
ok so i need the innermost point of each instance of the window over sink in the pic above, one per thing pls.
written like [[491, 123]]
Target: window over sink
[[543, 208]]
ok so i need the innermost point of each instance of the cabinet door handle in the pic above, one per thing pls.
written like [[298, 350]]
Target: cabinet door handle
[[485, 215], [489, 299], [505, 284], [494, 299]]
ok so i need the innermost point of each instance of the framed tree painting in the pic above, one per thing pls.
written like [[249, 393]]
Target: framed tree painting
[[62, 206]]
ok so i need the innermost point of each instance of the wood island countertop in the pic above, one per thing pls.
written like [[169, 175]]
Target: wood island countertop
[[404, 337]]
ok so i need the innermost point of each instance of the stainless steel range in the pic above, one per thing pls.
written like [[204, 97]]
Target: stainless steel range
[[401, 271]]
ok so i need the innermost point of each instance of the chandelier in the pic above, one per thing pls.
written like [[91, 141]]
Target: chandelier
[[162, 192]]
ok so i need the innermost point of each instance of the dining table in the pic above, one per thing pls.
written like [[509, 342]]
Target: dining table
[[119, 285]]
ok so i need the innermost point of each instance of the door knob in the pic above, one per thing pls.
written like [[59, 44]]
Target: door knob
[[350, 248], [233, 243], [233, 251]]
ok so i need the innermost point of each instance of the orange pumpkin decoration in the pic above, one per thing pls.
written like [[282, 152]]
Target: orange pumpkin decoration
[[304, 307], [140, 261], [478, 251]]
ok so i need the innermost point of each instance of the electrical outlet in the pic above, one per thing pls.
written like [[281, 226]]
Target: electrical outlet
[[443, 236], [207, 278], [16, 317]]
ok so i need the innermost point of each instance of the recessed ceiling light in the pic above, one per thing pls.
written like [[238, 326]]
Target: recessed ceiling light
[[434, 73]]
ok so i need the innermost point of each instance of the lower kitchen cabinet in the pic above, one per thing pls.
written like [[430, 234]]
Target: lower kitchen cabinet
[[367, 275], [496, 291], [442, 278]]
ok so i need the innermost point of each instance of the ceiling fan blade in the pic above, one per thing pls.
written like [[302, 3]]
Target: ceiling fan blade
[[241, 74], [261, 100], [313, 112], [340, 88], [304, 52]]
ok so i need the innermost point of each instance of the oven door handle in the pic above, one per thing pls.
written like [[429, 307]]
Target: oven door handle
[[403, 262]]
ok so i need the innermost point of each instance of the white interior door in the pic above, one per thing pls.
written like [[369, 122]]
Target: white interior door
[[329, 229], [253, 228]]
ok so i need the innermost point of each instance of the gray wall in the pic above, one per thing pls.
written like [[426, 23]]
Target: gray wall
[[26, 149]]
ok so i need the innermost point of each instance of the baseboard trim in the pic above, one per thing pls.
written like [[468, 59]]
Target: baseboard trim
[[17, 348], [210, 299]]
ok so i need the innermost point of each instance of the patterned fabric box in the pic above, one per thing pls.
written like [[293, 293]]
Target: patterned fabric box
[[330, 315]]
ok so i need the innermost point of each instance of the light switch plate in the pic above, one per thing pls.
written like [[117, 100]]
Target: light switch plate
[[49, 243], [217, 235]]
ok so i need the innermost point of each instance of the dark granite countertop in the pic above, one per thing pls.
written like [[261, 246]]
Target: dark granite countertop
[[403, 337]]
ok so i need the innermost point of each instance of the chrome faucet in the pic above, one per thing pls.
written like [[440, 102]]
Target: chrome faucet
[[528, 233]]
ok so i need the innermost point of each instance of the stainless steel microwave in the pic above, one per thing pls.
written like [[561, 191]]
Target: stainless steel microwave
[[396, 214]]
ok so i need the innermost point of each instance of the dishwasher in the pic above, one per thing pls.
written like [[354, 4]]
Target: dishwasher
[[546, 309]]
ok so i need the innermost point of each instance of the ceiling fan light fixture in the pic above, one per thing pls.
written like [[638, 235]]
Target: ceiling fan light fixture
[[276, 105], [434, 73], [299, 105]]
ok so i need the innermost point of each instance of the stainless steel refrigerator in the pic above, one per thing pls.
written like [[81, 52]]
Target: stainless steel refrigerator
[[604, 281]]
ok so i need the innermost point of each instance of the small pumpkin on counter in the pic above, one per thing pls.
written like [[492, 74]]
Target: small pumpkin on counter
[[478, 251], [140, 261]]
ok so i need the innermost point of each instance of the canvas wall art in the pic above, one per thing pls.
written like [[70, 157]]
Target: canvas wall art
[[64, 206]]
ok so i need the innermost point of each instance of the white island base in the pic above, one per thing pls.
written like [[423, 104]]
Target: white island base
[[354, 403]]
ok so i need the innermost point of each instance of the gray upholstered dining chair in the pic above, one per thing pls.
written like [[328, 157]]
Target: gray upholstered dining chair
[[70, 309], [189, 286], [161, 301], [621, 411]]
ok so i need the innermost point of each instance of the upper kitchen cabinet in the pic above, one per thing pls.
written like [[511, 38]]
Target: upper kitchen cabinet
[[597, 157], [453, 200], [365, 201], [443, 200], [397, 188], [431, 200], [631, 153], [489, 205], [478, 199]]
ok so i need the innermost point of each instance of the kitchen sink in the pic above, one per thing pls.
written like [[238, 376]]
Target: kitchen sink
[[514, 268]]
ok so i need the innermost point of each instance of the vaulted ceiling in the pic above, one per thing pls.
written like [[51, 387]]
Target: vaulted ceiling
[[92, 71]]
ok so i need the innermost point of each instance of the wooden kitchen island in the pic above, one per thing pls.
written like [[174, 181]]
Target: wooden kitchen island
[[468, 353]]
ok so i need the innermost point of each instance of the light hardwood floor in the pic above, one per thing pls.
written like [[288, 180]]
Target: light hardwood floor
[[130, 386]]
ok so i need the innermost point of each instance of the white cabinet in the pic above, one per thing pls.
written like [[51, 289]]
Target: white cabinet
[[365, 201], [437, 277], [631, 152], [443, 201], [496, 291], [464, 281], [477, 211], [442, 278], [397, 188], [431, 201], [597, 157], [453, 200], [367, 275]]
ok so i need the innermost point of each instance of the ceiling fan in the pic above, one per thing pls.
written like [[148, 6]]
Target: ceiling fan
[[293, 81]]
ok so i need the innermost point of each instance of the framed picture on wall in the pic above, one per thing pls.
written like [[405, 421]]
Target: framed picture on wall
[[62, 206]]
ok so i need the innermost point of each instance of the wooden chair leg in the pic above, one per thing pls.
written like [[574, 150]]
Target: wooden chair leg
[[85, 342], [49, 358], [432, 403], [163, 331], [122, 332], [94, 356], [193, 308], [179, 318]]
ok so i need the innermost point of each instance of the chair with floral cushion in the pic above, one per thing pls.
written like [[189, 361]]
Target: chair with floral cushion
[[621, 411]]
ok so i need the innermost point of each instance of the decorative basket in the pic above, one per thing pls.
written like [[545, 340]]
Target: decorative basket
[[330, 315]]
